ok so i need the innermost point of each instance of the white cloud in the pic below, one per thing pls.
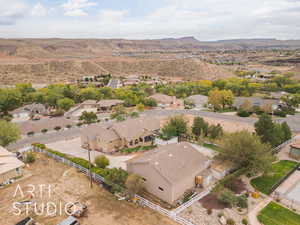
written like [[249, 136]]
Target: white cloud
[[112, 16], [39, 10], [77, 7], [11, 11]]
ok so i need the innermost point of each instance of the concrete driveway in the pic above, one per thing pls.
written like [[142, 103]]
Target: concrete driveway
[[73, 147]]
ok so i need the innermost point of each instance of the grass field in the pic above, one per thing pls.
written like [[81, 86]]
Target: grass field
[[278, 171], [274, 214]]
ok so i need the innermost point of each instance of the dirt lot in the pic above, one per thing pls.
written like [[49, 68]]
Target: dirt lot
[[68, 185]]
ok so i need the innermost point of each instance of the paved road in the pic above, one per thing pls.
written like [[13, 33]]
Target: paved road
[[293, 121]]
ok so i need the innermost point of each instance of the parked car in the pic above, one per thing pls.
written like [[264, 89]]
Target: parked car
[[71, 220]]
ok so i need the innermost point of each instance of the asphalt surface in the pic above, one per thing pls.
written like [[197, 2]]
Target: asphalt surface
[[293, 122]]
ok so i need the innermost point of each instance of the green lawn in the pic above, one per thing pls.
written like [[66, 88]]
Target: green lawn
[[274, 214], [279, 170], [212, 146]]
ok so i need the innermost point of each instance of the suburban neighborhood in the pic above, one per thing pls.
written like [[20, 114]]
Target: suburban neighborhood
[[149, 112]]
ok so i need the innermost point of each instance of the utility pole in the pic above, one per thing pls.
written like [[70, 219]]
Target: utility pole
[[90, 164]]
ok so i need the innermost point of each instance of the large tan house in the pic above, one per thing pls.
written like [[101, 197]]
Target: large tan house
[[166, 101], [10, 166], [170, 170], [127, 134]]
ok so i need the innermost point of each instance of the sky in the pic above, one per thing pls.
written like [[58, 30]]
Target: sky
[[150, 19]]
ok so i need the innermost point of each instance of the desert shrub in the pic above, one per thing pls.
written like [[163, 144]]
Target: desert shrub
[[79, 124], [230, 221], [209, 211], [245, 221], [30, 157], [220, 214], [242, 202], [58, 112], [69, 126], [101, 161]]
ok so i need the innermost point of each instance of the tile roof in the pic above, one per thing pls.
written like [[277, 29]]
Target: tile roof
[[8, 161]]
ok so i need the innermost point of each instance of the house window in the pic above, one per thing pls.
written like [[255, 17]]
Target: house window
[[131, 143], [136, 141], [141, 139], [144, 179], [160, 188], [148, 138]]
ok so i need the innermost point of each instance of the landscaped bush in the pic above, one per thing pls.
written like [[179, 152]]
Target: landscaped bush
[[44, 131], [230, 221], [245, 221], [69, 126], [57, 128], [79, 124], [57, 153], [243, 113], [38, 145], [30, 133], [30, 157], [280, 113], [82, 162], [136, 149], [228, 197], [242, 202], [101, 161]]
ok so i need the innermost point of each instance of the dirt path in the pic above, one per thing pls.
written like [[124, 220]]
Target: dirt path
[[252, 215]]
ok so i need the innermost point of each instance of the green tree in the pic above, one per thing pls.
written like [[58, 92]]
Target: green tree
[[140, 107], [134, 184], [245, 150], [228, 197], [215, 131], [150, 102], [88, 117], [102, 161], [199, 126], [220, 99], [9, 133], [89, 93], [10, 99], [264, 128], [175, 127], [286, 131], [65, 103]]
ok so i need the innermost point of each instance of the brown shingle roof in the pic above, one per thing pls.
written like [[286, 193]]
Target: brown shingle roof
[[132, 128], [8, 161], [174, 161]]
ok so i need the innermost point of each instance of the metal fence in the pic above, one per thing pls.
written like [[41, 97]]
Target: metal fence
[[100, 180]]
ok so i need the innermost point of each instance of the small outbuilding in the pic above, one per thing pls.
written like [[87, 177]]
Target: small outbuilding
[[10, 166]]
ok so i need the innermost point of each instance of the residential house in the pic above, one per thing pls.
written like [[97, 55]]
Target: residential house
[[255, 101], [170, 170], [127, 134], [295, 150], [28, 111], [10, 166], [200, 101], [166, 101], [94, 106]]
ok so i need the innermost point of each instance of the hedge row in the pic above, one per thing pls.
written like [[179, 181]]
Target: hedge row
[[114, 177]]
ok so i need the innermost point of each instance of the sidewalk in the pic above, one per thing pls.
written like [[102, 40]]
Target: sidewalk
[[252, 215]]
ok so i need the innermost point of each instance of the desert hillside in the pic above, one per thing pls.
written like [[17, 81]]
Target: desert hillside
[[59, 60]]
